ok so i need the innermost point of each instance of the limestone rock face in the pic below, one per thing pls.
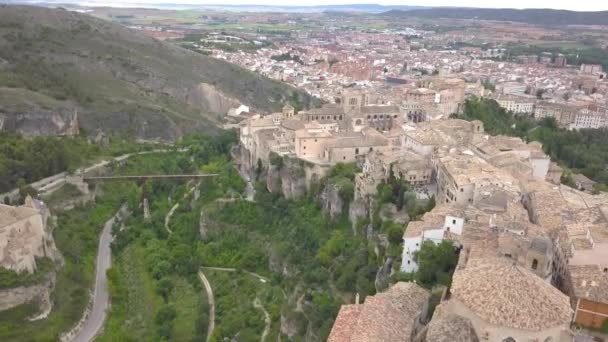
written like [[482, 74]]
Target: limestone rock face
[[207, 98], [40, 122], [10, 298], [331, 202], [289, 180], [358, 209], [24, 235]]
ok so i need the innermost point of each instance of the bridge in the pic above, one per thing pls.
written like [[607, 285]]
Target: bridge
[[146, 177]]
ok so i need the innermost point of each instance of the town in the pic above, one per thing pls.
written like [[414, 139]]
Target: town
[[371, 176]]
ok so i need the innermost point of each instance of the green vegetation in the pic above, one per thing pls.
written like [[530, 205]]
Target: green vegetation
[[58, 60], [436, 265], [76, 236], [10, 278], [584, 151], [287, 56], [312, 263], [574, 56], [24, 160]]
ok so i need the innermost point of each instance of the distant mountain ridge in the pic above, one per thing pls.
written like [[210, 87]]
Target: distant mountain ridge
[[54, 63], [367, 8], [529, 16]]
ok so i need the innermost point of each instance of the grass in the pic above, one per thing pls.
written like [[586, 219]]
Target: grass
[[234, 295], [187, 300], [134, 300], [67, 191]]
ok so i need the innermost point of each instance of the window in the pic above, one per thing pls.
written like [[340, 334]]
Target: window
[[408, 262], [356, 150], [453, 221], [534, 264], [605, 269]]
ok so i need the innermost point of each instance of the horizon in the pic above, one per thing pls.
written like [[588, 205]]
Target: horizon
[[585, 6]]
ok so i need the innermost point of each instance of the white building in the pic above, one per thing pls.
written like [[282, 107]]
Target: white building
[[433, 227]]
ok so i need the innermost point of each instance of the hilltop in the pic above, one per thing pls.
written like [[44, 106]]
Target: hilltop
[[530, 16], [54, 62]]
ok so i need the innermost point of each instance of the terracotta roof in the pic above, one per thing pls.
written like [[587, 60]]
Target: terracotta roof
[[386, 317], [450, 328], [589, 282], [507, 295]]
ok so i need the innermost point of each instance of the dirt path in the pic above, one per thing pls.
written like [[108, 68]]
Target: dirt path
[[257, 303], [226, 269], [209, 290], [174, 208]]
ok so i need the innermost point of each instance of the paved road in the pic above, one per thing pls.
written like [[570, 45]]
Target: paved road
[[209, 290], [96, 318]]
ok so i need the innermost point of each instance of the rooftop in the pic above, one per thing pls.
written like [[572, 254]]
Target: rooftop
[[386, 317], [450, 328], [589, 282], [504, 294]]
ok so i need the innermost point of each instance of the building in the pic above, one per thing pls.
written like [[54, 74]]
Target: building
[[433, 227], [392, 316], [586, 118], [560, 61], [421, 95], [505, 302], [591, 68], [517, 104], [563, 114], [589, 294]]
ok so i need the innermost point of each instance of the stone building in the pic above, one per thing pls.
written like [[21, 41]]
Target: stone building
[[505, 302], [396, 315]]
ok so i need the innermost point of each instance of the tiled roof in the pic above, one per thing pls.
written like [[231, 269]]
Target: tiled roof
[[386, 317], [589, 282], [504, 294], [450, 328]]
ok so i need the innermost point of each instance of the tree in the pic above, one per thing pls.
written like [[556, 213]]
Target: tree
[[164, 288], [436, 262]]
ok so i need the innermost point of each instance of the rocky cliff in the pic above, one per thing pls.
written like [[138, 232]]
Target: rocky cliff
[[40, 294], [209, 97]]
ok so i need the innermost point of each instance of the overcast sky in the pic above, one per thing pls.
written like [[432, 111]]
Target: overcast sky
[[581, 5]]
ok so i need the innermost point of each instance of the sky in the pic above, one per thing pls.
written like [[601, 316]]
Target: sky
[[580, 5]]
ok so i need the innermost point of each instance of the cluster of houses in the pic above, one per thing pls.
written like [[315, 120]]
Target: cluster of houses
[[533, 258]]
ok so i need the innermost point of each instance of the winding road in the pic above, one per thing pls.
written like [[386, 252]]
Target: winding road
[[94, 321]]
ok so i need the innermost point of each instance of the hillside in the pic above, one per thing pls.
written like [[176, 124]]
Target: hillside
[[53, 62], [530, 16]]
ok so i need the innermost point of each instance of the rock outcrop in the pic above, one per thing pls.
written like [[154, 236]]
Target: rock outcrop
[[35, 123], [208, 98], [10, 298], [288, 179], [331, 202]]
